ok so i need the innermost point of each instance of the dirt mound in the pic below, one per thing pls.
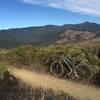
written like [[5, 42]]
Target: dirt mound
[[83, 92]]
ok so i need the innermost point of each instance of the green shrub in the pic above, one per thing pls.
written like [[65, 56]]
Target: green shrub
[[28, 55], [3, 67]]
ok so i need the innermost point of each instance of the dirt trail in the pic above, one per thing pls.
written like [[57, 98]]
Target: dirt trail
[[83, 92]]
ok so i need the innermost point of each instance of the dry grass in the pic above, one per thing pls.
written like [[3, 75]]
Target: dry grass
[[83, 92]]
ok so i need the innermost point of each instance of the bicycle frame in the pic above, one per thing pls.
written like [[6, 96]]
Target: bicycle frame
[[67, 63]]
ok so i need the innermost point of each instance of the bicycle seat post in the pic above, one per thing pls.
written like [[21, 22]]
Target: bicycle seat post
[[61, 55]]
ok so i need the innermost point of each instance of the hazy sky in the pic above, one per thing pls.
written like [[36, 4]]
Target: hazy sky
[[24, 13]]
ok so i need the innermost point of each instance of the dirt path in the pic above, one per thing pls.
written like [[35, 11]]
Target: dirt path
[[83, 92]]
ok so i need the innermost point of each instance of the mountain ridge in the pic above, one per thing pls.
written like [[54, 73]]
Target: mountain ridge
[[52, 25], [45, 35]]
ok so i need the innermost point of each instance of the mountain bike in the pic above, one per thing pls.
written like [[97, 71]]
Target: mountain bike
[[64, 66]]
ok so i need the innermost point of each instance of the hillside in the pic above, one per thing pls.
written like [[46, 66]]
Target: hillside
[[28, 65], [49, 34], [74, 89], [69, 36]]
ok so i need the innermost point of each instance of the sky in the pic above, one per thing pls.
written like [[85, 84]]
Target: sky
[[27, 13]]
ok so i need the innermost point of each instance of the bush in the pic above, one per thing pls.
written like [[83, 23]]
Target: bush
[[28, 55], [3, 67]]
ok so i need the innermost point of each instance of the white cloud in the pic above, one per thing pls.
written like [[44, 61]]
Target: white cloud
[[90, 7]]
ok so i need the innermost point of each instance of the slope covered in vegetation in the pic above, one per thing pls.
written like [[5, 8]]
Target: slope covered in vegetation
[[34, 59], [49, 34]]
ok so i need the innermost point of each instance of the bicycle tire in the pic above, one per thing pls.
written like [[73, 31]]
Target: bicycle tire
[[83, 72], [57, 72]]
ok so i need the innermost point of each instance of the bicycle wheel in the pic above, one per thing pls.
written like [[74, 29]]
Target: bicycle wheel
[[83, 72], [57, 69]]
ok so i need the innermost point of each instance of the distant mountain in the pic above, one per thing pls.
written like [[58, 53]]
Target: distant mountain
[[70, 36], [86, 26], [49, 34]]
